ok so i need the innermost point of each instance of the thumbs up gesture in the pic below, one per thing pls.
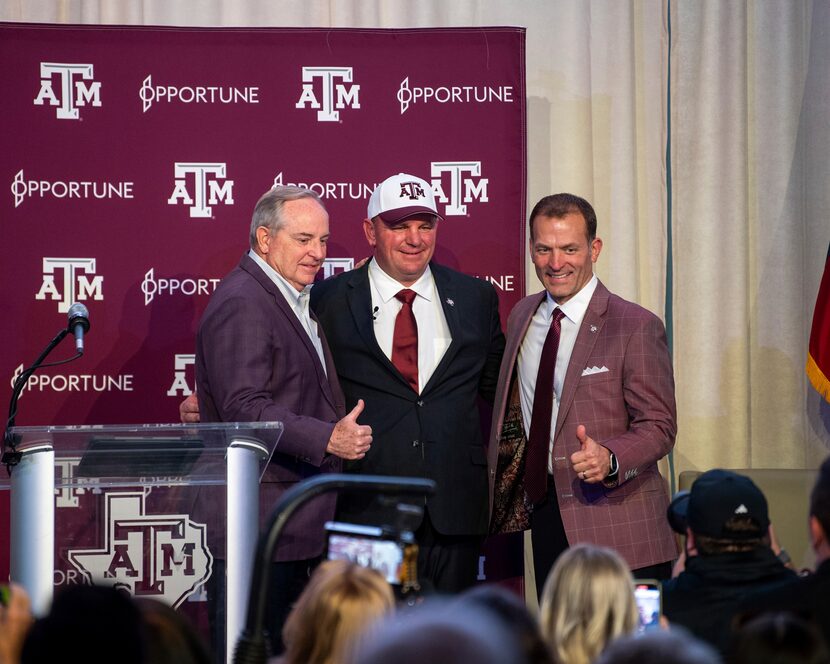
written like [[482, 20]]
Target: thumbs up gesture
[[592, 462], [350, 440]]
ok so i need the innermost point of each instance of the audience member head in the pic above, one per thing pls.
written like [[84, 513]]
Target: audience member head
[[778, 638], [511, 612], [820, 513], [587, 601], [438, 631], [674, 646], [90, 624], [168, 636], [341, 601], [725, 513]]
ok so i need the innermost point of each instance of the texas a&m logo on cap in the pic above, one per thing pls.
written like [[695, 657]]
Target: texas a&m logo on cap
[[412, 190]]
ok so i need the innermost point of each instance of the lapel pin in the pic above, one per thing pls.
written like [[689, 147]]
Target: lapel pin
[[593, 328], [450, 302]]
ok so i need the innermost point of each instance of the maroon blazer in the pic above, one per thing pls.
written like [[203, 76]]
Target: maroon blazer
[[629, 409], [255, 363]]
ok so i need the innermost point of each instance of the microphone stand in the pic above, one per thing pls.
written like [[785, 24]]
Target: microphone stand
[[11, 457]]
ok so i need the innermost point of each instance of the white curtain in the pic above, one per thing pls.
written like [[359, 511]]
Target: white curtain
[[747, 204], [750, 138]]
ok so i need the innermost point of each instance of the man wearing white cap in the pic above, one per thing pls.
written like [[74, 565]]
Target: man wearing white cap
[[419, 343]]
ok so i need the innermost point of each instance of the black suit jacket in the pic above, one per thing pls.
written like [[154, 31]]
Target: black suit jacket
[[436, 434]]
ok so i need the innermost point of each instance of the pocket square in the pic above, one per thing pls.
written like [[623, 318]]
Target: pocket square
[[590, 371]]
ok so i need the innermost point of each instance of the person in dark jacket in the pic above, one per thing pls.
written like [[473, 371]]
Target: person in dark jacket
[[728, 554], [808, 597]]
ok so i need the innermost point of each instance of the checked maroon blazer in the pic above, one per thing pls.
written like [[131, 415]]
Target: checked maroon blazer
[[620, 385]]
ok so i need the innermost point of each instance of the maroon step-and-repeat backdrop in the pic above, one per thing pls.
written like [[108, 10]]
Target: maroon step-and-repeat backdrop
[[132, 158]]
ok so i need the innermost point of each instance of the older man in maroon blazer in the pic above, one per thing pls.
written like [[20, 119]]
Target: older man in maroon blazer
[[262, 357], [585, 407]]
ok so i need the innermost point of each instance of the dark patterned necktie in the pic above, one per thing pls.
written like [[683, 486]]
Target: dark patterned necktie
[[536, 463]]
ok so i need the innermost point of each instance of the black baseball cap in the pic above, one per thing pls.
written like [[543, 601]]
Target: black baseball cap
[[718, 495]]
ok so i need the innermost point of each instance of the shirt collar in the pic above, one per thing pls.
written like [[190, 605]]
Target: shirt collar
[[387, 287], [575, 308], [289, 292]]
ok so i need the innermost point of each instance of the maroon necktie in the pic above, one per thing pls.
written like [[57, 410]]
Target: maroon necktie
[[405, 339], [536, 463]]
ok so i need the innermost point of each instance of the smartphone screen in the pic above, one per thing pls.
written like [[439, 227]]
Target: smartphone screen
[[647, 593], [366, 547]]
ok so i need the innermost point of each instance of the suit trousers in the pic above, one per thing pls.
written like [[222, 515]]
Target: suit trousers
[[447, 564]]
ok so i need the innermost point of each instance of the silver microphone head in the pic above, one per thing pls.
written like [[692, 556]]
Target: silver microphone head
[[78, 315]]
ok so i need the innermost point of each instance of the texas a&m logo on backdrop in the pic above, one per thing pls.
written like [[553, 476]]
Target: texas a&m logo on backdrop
[[67, 493], [161, 555], [77, 281], [75, 88], [456, 183], [325, 88], [209, 187], [333, 266], [182, 364]]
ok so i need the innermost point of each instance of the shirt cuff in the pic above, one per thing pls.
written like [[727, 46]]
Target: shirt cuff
[[612, 478]]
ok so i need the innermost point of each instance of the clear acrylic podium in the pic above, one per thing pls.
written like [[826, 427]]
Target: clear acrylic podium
[[143, 507]]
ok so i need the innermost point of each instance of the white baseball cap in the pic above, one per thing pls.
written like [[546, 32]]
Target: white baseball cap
[[401, 196]]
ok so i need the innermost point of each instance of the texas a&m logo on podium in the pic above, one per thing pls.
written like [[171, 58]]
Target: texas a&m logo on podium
[[160, 555]]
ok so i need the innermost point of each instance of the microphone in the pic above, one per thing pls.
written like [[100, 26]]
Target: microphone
[[78, 324], [375, 313]]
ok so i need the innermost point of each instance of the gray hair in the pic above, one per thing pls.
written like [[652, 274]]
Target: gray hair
[[268, 209]]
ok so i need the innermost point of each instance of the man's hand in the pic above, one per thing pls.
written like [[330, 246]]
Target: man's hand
[[189, 410], [593, 461], [350, 440]]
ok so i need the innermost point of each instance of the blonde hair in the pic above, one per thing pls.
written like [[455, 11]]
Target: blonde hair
[[342, 600], [588, 601]]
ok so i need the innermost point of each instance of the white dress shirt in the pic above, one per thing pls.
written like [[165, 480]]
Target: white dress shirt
[[530, 352], [433, 333], [297, 300]]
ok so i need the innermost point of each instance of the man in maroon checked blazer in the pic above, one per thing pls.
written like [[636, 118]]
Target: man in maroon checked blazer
[[610, 414]]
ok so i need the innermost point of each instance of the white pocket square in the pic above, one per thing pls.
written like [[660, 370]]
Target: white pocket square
[[590, 371]]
